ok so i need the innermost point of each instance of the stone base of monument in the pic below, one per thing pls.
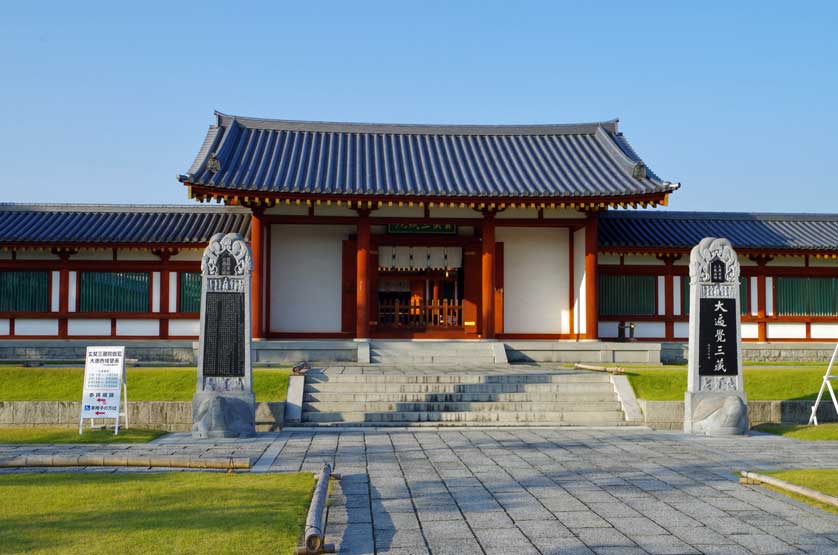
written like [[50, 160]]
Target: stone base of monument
[[715, 413], [216, 415]]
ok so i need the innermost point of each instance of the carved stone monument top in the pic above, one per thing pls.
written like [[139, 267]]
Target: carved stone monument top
[[715, 402], [224, 404]]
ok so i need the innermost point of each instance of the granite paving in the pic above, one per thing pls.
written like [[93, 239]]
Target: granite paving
[[571, 491]]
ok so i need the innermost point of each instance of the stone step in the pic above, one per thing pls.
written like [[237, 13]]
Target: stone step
[[455, 378], [360, 387], [425, 406], [434, 360], [455, 424], [603, 418], [330, 397]]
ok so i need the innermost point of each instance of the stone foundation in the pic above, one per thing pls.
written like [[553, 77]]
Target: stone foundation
[[172, 416], [669, 415]]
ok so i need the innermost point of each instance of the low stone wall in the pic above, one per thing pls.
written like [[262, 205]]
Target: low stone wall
[[676, 353], [58, 350], [669, 415], [582, 351], [172, 416]]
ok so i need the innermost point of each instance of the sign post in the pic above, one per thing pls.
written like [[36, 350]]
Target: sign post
[[715, 402], [826, 385], [104, 383]]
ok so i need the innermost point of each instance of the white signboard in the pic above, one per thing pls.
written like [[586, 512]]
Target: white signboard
[[104, 381]]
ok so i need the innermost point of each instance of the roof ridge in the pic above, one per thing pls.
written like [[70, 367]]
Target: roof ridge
[[418, 128], [739, 216]]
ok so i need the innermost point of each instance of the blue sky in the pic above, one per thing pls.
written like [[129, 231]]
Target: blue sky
[[108, 102]]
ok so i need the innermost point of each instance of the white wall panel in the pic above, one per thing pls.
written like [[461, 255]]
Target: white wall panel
[[786, 331], [55, 293], [72, 301], [535, 279], [681, 330], [184, 327], [4, 326], [187, 255], [35, 326], [579, 281], [135, 254], [750, 330], [769, 296], [93, 326], [816, 262], [155, 291], [94, 254], [518, 213], [754, 309], [676, 294], [173, 307], [35, 254], [640, 260], [606, 330], [824, 331], [137, 327], [305, 276], [649, 329], [661, 295]]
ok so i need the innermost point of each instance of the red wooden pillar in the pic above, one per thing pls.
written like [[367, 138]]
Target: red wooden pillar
[[362, 293], [257, 247], [761, 325], [668, 288], [63, 295], [591, 301], [488, 276], [165, 309]]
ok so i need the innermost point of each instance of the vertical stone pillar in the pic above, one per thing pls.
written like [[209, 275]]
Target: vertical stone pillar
[[362, 315], [591, 301], [488, 276], [257, 246]]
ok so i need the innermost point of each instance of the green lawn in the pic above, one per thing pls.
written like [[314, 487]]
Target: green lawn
[[668, 384], [824, 432], [144, 384], [823, 480], [172, 512], [50, 434]]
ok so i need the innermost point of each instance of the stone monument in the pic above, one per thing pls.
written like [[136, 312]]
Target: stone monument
[[715, 402], [224, 404]]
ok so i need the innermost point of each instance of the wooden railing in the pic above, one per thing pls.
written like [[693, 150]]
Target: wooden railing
[[441, 314]]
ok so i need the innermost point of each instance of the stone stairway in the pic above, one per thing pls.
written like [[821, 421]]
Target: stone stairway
[[434, 352], [564, 398]]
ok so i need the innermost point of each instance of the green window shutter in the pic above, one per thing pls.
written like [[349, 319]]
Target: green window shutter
[[24, 291], [801, 296], [627, 295], [685, 294], [190, 292], [113, 292]]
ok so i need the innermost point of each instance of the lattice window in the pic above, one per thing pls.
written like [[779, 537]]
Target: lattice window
[[627, 295], [114, 292], [807, 296], [22, 291], [189, 299]]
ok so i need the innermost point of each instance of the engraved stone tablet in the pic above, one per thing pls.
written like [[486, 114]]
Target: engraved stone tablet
[[224, 404], [715, 402]]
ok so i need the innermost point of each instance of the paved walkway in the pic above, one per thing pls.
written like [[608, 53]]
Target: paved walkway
[[546, 490]]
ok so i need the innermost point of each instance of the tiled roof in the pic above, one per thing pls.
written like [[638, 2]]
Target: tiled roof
[[683, 230], [144, 225], [351, 159]]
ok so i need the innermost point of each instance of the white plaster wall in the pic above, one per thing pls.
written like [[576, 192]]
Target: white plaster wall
[[35, 254], [676, 294], [607, 329], [750, 330], [187, 255], [579, 281], [155, 291], [35, 326], [661, 295], [4, 326], [55, 291], [456, 212], [289, 210], [754, 286], [535, 280], [769, 296], [334, 210], [5, 254], [786, 331], [72, 301], [137, 327], [563, 213], [681, 329], [793, 261], [517, 213], [184, 327], [608, 258], [640, 260], [92, 326], [305, 276], [133, 254], [94, 254], [173, 307], [683, 261], [649, 329], [824, 331], [399, 212], [816, 262], [745, 261]]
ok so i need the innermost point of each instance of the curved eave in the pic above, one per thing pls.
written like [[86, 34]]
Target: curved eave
[[747, 251], [259, 198]]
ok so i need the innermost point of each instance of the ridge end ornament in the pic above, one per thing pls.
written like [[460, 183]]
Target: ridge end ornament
[[715, 401]]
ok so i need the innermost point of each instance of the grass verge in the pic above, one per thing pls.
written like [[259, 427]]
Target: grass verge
[[173, 512], [823, 432], [49, 434], [823, 480], [144, 384], [761, 384]]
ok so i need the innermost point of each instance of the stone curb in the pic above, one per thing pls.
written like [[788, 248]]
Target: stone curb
[[753, 478], [153, 461]]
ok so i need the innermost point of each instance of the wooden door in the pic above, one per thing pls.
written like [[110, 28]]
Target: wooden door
[[498, 288], [471, 287], [349, 263]]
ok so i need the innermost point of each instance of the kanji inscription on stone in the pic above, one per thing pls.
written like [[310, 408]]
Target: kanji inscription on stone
[[224, 343]]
